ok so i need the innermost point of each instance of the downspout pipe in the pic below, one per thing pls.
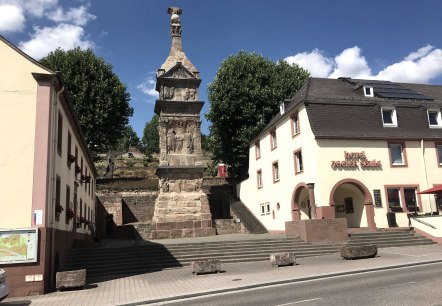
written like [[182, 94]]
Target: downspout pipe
[[51, 208], [425, 173]]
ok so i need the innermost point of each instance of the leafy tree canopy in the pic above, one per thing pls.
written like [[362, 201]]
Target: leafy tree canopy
[[128, 139], [150, 138], [100, 99], [244, 96]]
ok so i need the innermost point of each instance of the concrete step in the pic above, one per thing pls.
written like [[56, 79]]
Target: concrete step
[[102, 262]]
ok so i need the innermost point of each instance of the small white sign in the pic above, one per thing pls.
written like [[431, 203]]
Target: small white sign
[[29, 278], [38, 217], [38, 277]]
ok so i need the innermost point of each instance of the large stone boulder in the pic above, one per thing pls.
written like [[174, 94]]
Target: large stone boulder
[[70, 279], [282, 259], [203, 266], [359, 251]]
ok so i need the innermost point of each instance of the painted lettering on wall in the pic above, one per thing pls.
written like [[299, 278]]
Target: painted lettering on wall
[[355, 160]]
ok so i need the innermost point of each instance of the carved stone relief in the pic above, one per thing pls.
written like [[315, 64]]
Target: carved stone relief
[[167, 92], [179, 74], [180, 137], [180, 185]]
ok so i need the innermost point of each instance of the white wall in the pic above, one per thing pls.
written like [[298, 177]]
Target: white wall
[[421, 171]]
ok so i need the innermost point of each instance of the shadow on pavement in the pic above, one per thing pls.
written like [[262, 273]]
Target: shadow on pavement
[[121, 259]]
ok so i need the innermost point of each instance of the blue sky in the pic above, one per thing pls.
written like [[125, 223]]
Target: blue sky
[[398, 40]]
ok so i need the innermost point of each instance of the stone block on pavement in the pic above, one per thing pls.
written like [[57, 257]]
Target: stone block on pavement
[[359, 251], [70, 279], [282, 259], [203, 266]]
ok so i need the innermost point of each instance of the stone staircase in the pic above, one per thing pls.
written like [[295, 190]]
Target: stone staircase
[[224, 203], [111, 262], [389, 238], [249, 220]]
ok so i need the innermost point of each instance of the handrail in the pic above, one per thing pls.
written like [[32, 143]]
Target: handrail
[[423, 222]]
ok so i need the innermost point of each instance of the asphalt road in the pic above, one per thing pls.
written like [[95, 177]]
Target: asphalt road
[[416, 286]]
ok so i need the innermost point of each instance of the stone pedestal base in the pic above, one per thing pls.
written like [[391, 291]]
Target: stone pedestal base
[[186, 229], [318, 230], [183, 212]]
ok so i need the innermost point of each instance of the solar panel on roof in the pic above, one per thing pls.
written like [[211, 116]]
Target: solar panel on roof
[[385, 89]]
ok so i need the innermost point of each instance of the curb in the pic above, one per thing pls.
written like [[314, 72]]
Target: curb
[[281, 282]]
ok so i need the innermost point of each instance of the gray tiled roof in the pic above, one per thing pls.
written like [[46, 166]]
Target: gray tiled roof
[[337, 110]]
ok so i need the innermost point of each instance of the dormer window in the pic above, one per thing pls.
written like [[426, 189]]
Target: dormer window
[[389, 118], [282, 108], [368, 91], [434, 119]]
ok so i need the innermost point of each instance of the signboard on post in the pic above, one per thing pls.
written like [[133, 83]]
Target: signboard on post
[[18, 245]]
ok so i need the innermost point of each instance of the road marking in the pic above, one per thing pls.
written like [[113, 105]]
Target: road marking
[[395, 285], [299, 302]]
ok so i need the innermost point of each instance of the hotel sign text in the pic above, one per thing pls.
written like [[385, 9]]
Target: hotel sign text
[[354, 160]]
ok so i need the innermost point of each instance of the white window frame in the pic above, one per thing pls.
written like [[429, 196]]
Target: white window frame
[[257, 150], [275, 171], [393, 116], [403, 163], [295, 123], [439, 154], [273, 139], [259, 178], [262, 209], [299, 163], [267, 208], [368, 91], [438, 118]]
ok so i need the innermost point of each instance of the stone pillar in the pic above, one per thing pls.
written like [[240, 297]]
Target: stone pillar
[[311, 196], [369, 211], [182, 208], [295, 214]]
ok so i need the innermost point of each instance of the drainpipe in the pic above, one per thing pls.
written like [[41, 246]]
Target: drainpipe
[[51, 208], [425, 172]]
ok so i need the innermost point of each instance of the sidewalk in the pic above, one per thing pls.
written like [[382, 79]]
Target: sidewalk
[[178, 283]]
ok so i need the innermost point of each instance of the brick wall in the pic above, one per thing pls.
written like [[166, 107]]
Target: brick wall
[[138, 206]]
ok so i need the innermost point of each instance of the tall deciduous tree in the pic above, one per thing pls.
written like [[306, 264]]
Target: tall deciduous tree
[[244, 96], [100, 99], [150, 138], [128, 139]]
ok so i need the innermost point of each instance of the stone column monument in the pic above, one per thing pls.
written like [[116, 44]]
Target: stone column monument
[[182, 208]]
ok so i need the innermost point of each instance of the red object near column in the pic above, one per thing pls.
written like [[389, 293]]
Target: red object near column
[[222, 170]]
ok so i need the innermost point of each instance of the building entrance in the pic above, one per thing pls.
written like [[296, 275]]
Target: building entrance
[[349, 204], [352, 200]]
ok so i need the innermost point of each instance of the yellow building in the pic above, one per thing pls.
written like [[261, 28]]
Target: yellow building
[[346, 148], [47, 176]]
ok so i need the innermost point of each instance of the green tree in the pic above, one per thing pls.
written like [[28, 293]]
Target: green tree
[[100, 99], [151, 138], [128, 139], [204, 142], [244, 96]]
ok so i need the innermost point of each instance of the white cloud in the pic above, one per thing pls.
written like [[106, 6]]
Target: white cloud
[[419, 53], [44, 40], [77, 15], [148, 87], [32, 7], [315, 62], [12, 18], [351, 63], [420, 66]]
